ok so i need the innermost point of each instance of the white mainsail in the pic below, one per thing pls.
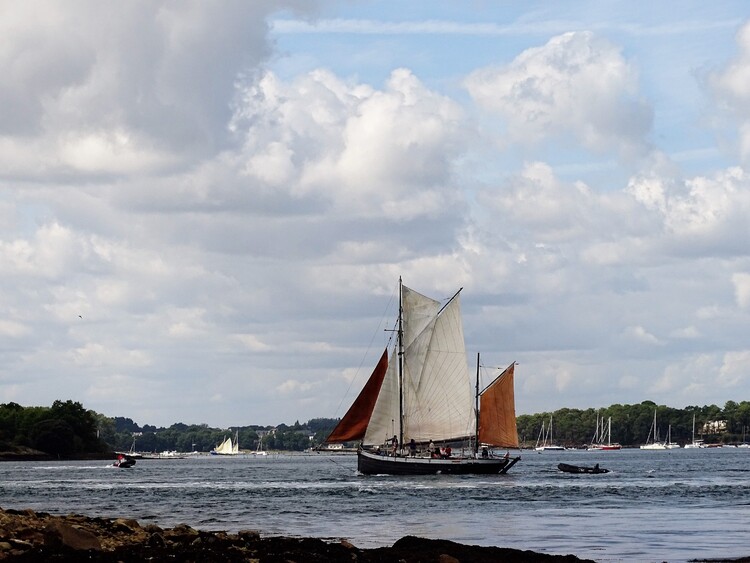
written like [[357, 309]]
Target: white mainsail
[[225, 447], [384, 419], [437, 395]]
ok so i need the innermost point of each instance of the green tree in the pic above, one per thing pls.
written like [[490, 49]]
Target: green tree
[[54, 436]]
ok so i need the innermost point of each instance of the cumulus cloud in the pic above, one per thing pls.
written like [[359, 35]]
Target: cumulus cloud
[[700, 215], [731, 88], [578, 84], [349, 147], [101, 85], [641, 335]]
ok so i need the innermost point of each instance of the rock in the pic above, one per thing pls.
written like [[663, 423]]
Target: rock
[[60, 533], [249, 535], [156, 540], [152, 529], [126, 524], [30, 537]]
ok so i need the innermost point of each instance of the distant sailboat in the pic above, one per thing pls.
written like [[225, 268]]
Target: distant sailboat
[[228, 446], [695, 443], [546, 444], [598, 442], [744, 443], [259, 450], [652, 440], [669, 444]]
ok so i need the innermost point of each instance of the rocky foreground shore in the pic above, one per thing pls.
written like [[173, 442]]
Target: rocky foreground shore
[[29, 536]]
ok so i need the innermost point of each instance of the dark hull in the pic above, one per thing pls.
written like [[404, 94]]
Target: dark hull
[[124, 462], [374, 464], [580, 469]]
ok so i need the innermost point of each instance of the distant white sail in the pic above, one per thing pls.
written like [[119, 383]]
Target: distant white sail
[[225, 448]]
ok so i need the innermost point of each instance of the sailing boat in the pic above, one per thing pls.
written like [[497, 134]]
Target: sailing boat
[[423, 394], [228, 446], [598, 441], [545, 436], [259, 450], [669, 444], [695, 443], [652, 442], [131, 453]]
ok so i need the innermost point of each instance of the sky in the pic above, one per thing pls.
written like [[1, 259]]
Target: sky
[[205, 207]]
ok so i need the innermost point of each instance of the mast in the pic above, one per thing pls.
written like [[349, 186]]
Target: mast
[[400, 363], [743, 430], [476, 411]]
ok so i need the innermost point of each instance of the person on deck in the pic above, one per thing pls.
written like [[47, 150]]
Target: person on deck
[[413, 448], [447, 451], [431, 448], [394, 445]]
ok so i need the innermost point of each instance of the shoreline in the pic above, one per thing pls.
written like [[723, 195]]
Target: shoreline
[[26, 535], [29, 536]]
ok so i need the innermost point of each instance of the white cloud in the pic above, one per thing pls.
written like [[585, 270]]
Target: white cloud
[[688, 332], [741, 281], [641, 335], [253, 342], [577, 84], [12, 329], [96, 76], [293, 387], [731, 87], [735, 369], [349, 148], [99, 355]]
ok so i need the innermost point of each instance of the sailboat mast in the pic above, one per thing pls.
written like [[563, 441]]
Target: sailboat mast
[[400, 363], [476, 411]]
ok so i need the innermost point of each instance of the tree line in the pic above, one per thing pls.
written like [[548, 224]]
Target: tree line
[[67, 429], [62, 430], [631, 423]]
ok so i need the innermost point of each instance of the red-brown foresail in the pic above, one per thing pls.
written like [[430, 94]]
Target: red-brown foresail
[[355, 421], [497, 422]]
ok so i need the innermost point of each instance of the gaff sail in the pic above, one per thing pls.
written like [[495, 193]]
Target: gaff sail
[[497, 412]]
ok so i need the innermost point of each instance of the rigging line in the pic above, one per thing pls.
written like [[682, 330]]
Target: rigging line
[[364, 357], [337, 463]]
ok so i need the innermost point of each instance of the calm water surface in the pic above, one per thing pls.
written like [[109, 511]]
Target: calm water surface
[[672, 505]]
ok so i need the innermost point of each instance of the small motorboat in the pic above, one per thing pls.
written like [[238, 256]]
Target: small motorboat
[[123, 461], [566, 468]]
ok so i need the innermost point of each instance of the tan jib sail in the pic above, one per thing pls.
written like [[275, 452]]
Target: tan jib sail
[[354, 424], [497, 412]]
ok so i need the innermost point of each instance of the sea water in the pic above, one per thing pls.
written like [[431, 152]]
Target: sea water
[[672, 505]]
